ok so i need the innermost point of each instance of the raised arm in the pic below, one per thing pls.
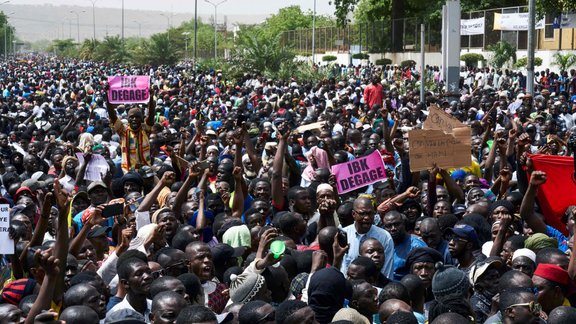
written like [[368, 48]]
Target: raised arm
[[278, 165], [50, 264], [152, 197], [527, 208], [151, 108], [238, 201], [453, 188]]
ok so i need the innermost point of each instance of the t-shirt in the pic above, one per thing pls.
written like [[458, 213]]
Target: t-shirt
[[401, 251]]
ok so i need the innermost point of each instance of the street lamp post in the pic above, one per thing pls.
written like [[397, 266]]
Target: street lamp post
[[186, 44], [77, 13], [168, 20], [313, 32], [215, 5], [139, 28], [93, 18], [195, 29]]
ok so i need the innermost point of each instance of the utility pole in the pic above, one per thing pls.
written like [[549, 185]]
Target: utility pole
[[122, 22], [186, 44], [531, 43], [195, 29], [215, 5], [314, 33], [93, 18], [77, 13], [139, 28], [422, 69]]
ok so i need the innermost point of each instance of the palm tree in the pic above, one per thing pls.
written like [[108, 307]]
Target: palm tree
[[88, 49], [501, 54], [564, 61]]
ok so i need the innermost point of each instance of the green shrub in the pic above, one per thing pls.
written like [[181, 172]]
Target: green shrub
[[329, 58], [523, 62], [407, 63], [360, 56], [383, 61], [471, 59]]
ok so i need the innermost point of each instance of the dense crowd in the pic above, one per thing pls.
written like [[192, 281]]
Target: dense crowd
[[211, 203]]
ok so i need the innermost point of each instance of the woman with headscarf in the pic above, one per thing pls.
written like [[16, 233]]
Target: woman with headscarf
[[317, 158], [326, 293]]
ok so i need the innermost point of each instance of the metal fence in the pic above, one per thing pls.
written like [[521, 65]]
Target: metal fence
[[401, 35]]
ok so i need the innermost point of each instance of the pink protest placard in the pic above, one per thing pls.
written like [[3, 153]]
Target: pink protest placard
[[359, 172], [129, 89]]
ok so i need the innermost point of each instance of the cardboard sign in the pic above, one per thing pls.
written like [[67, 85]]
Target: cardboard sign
[[440, 120], [435, 146], [129, 89], [314, 126], [360, 172], [6, 243]]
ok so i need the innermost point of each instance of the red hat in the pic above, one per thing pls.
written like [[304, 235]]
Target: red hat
[[552, 272]]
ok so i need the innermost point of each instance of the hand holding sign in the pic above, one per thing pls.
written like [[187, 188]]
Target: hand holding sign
[[129, 89]]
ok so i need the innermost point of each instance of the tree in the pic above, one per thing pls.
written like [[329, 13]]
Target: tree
[[292, 18], [255, 52], [564, 61], [159, 50], [88, 49], [111, 49], [502, 52], [64, 47]]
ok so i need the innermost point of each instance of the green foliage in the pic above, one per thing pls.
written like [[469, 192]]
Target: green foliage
[[523, 62], [407, 63], [291, 18], [554, 7], [256, 53], [329, 58], [383, 61], [64, 47], [360, 56], [502, 52], [471, 59], [564, 61]]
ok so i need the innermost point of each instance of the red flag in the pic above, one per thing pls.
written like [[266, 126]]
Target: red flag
[[559, 191]]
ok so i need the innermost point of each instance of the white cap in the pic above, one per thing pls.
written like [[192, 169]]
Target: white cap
[[524, 252]]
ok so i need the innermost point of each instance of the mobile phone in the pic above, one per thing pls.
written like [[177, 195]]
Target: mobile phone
[[113, 210], [203, 165], [342, 238], [136, 204]]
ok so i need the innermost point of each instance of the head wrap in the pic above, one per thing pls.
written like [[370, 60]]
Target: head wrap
[[524, 253], [16, 290], [321, 158], [540, 241], [66, 158], [327, 299], [245, 286], [504, 203], [237, 236], [552, 272], [157, 213], [458, 174], [324, 186], [423, 254], [298, 284]]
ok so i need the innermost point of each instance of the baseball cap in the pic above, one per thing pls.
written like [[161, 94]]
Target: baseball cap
[[98, 230], [466, 232], [96, 184], [479, 268], [146, 172]]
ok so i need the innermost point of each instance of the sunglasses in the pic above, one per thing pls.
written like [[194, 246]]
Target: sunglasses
[[533, 307]]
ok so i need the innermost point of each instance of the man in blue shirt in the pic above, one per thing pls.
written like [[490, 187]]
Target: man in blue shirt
[[404, 242], [363, 228]]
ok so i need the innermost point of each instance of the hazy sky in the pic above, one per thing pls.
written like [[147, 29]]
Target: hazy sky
[[236, 7]]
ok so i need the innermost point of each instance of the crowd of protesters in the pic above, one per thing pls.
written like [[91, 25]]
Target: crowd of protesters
[[207, 205]]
